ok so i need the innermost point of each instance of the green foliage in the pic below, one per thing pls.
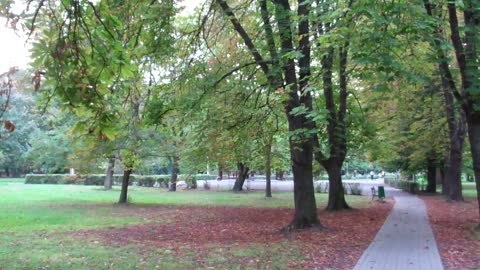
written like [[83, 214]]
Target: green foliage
[[191, 181]]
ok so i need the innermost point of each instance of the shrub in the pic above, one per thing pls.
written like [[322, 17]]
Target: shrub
[[190, 180], [44, 179], [144, 181], [408, 186], [205, 177], [206, 185], [355, 189], [75, 179], [321, 188], [94, 179]]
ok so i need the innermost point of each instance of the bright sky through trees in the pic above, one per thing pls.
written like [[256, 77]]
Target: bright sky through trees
[[14, 51]]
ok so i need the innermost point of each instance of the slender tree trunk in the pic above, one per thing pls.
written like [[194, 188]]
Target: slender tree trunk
[[336, 192], [241, 176], [431, 177], [445, 186], [174, 176], [124, 191], [107, 184], [268, 171], [220, 172]]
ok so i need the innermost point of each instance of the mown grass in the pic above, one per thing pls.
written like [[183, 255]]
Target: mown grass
[[38, 224]]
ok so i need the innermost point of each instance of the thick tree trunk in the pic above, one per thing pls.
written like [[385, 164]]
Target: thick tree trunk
[[336, 192], [107, 184], [304, 197], [474, 139], [242, 174], [298, 94], [453, 175], [124, 191], [174, 176], [431, 177], [455, 116]]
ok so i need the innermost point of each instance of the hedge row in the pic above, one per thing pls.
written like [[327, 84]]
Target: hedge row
[[407, 186], [98, 179]]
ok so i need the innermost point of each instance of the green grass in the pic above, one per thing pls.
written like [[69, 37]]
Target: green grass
[[37, 224], [468, 189]]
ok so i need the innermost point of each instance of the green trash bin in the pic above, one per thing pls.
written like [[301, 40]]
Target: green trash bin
[[381, 192]]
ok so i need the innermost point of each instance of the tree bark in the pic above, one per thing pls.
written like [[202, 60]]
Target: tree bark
[[174, 175], [474, 139], [336, 192], [241, 176], [298, 95], [455, 117], [107, 184], [124, 191], [220, 172], [431, 177], [466, 50], [268, 170]]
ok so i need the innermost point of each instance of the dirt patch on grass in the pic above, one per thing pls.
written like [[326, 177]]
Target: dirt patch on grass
[[201, 229], [453, 224]]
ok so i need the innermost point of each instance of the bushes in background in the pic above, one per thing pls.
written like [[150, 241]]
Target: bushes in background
[[98, 179]]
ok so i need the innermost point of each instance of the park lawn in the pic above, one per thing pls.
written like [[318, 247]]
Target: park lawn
[[80, 227], [469, 189]]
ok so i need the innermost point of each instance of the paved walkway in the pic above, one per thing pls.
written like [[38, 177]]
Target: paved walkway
[[405, 241]]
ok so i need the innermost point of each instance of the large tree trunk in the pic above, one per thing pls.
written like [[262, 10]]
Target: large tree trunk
[[453, 166], [304, 196], [107, 184], [174, 176], [242, 174], [431, 177], [336, 192], [298, 94], [455, 116], [474, 139], [454, 172], [124, 191]]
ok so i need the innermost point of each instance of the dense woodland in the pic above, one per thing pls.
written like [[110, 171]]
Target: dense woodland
[[305, 87]]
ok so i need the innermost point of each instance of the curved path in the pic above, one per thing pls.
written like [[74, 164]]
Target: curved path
[[405, 241]]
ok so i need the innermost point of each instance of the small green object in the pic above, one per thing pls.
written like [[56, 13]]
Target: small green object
[[381, 192]]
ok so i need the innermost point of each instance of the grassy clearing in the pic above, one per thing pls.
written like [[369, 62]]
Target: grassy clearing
[[44, 218], [68, 207], [61, 252]]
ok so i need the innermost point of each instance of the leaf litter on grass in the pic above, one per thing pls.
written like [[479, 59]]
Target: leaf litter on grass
[[210, 232]]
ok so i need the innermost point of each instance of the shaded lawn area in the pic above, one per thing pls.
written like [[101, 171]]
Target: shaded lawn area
[[78, 227], [469, 189], [453, 224]]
